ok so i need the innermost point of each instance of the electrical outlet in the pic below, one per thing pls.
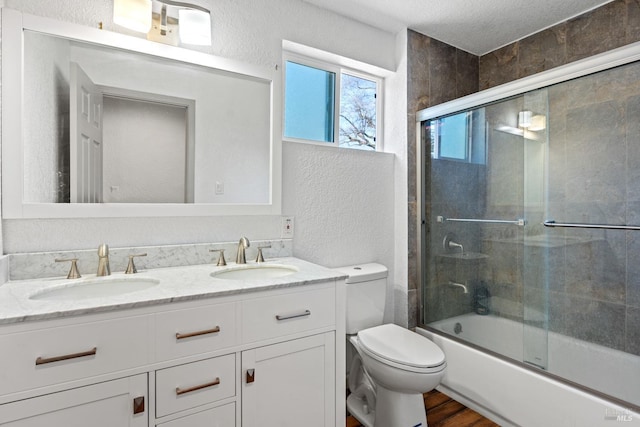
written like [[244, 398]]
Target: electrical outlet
[[287, 227], [219, 187]]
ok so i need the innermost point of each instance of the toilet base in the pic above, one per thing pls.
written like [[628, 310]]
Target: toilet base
[[395, 409], [359, 409]]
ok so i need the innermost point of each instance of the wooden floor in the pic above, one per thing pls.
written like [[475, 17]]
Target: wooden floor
[[442, 411]]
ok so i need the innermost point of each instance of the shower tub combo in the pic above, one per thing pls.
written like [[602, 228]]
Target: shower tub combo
[[496, 388], [530, 235]]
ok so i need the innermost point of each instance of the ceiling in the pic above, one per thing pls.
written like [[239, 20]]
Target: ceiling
[[475, 26]]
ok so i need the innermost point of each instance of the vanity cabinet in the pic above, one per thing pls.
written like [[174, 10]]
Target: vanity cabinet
[[55, 354], [195, 330], [290, 383], [106, 404], [195, 384], [254, 359]]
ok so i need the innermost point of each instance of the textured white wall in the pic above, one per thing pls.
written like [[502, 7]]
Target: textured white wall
[[343, 206], [343, 201], [46, 98], [395, 134], [249, 30]]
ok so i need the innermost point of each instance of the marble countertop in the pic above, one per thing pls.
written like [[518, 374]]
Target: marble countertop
[[173, 284]]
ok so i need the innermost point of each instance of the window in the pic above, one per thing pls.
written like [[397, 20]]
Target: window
[[327, 104], [309, 103], [459, 137]]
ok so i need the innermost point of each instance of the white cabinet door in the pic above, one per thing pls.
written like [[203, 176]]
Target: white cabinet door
[[290, 384], [108, 404]]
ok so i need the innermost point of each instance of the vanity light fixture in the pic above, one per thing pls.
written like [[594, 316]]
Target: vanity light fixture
[[133, 14], [538, 123], [195, 27], [524, 119], [167, 21]]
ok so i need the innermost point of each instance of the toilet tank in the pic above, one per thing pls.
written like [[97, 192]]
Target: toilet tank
[[366, 289]]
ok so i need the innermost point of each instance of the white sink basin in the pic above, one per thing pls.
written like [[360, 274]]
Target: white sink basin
[[262, 271], [95, 288]]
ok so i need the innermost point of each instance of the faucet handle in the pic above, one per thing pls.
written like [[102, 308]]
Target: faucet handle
[[103, 250], [73, 271], [260, 258], [221, 261], [131, 267]]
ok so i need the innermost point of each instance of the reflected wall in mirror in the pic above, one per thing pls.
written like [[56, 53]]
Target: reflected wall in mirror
[[103, 119]]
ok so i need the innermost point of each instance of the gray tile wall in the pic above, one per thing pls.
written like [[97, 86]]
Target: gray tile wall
[[436, 73], [596, 152], [608, 27]]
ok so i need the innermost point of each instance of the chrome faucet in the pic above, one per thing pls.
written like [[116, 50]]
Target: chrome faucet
[[459, 285], [453, 244], [450, 243], [103, 260], [242, 245]]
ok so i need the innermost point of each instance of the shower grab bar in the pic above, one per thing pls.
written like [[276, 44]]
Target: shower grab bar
[[520, 222], [552, 223]]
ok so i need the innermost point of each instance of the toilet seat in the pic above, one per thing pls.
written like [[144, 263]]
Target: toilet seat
[[401, 348]]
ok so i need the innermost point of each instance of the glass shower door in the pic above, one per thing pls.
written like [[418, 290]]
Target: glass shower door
[[484, 194], [538, 247], [560, 290]]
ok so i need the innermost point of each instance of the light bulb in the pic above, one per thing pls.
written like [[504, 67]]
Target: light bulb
[[194, 27], [133, 14]]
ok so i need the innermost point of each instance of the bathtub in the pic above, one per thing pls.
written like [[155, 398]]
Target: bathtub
[[512, 395]]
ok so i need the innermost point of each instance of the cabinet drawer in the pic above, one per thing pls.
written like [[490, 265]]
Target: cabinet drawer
[[106, 404], [286, 314], [196, 330], [224, 416], [55, 355], [193, 384]]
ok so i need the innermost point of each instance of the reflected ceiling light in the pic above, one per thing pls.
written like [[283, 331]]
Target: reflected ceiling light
[[165, 20]]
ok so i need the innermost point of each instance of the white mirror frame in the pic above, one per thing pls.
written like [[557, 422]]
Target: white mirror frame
[[13, 25]]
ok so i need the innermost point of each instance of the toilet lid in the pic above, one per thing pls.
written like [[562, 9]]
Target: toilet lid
[[402, 346]]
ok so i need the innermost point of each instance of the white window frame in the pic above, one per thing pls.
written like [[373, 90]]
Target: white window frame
[[338, 70]]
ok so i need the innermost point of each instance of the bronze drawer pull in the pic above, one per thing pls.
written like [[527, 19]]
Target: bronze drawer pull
[[293, 316], [42, 360], [251, 375], [180, 391], [180, 336]]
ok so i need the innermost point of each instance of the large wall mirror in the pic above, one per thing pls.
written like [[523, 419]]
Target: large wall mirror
[[101, 124]]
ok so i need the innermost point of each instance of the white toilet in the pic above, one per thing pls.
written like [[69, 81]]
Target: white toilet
[[393, 366]]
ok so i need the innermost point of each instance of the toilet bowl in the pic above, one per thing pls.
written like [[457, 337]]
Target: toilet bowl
[[400, 359], [392, 366], [402, 365]]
